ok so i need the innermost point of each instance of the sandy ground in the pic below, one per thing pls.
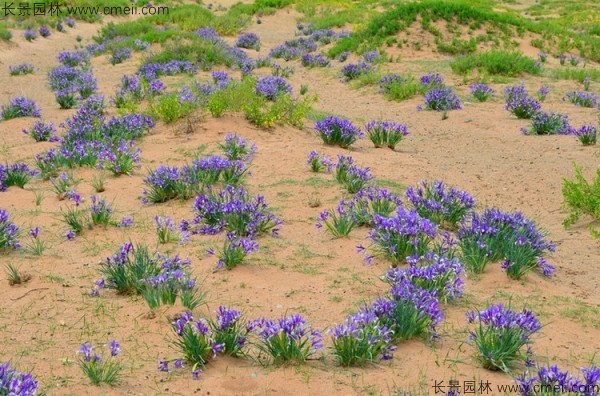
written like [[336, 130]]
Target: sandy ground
[[478, 149]]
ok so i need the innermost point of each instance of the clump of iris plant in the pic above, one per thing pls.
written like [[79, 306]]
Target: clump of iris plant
[[20, 107], [409, 311], [499, 335], [400, 236], [120, 55], [434, 273], [386, 133], [440, 203], [234, 251], [44, 31], [338, 131], [519, 103], [548, 123], [442, 99], [195, 341], [319, 162], [314, 60], [15, 383], [29, 34], [587, 135], [361, 339], [21, 70], [100, 369], [372, 201], [17, 174], [494, 235], [271, 87], [339, 222], [42, 132], [551, 380], [481, 92], [230, 330], [9, 233], [248, 41], [582, 98], [232, 209], [165, 229], [352, 71], [237, 148], [288, 339], [432, 81]]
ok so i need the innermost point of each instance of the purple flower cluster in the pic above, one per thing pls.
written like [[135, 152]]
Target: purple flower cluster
[[152, 71], [481, 92], [371, 201], [120, 55], [233, 209], [314, 60], [44, 31], [586, 134], [549, 123], [319, 162], [287, 339], [432, 80], [9, 232], [17, 174], [582, 98], [519, 103], [42, 132], [22, 69], [442, 99], [67, 82], [551, 378], [439, 203], [401, 236], [338, 131], [20, 107], [293, 49], [249, 41], [371, 56], [237, 148], [500, 333], [29, 34], [431, 272], [15, 383], [362, 338], [494, 235], [74, 58], [352, 71], [271, 87], [386, 133]]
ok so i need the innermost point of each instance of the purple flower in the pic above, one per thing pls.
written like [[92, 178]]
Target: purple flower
[[70, 235], [352, 71], [249, 41], [22, 69], [9, 232], [29, 34], [432, 80], [543, 123], [163, 365], [314, 60], [115, 348], [442, 99], [42, 132], [371, 56], [126, 222], [481, 92], [582, 98], [20, 107], [271, 87], [335, 130]]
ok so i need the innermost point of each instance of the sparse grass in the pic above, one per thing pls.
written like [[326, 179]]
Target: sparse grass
[[15, 276]]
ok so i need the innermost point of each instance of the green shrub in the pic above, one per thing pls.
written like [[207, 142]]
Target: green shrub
[[5, 34], [495, 62], [582, 198], [457, 47], [170, 109]]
